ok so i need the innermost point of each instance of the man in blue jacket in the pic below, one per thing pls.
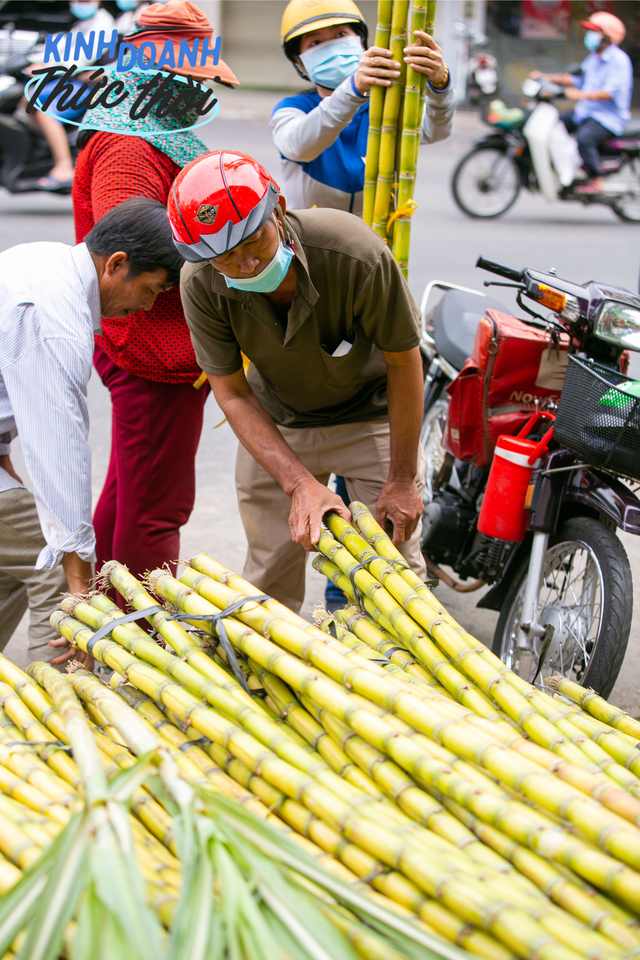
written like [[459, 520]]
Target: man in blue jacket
[[602, 93]]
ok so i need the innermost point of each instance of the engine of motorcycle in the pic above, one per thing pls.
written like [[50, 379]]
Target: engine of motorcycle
[[450, 536], [445, 529]]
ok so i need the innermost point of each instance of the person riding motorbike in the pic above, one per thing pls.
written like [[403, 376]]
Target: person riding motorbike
[[322, 135], [602, 92]]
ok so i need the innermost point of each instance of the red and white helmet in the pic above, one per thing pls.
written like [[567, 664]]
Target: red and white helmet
[[218, 201]]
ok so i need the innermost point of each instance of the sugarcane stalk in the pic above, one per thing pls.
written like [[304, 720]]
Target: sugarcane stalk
[[452, 643], [290, 709], [411, 758], [341, 813], [381, 544], [368, 631], [586, 905], [595, 705], [409, 143], [263, 729], [170, 630], [29, 728], [376, 105], [389, 128]]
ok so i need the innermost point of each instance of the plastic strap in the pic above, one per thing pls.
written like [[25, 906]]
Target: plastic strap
[[107, 628], [215, 619], [361, 566], [58, 744]]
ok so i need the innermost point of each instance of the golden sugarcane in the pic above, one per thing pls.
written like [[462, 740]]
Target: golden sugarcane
[[376, 105]]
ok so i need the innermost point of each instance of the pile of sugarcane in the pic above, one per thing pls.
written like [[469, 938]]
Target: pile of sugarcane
[[263, 772], [395, 118]]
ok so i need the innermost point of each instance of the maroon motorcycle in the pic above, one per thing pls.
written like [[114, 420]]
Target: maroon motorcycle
[[560, 577]]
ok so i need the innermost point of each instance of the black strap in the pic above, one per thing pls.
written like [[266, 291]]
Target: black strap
[[106, 629], [57, 744], [215, 619], [365, 563]]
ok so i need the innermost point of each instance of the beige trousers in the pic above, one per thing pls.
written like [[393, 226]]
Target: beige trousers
[[359, 452], [21, 541]]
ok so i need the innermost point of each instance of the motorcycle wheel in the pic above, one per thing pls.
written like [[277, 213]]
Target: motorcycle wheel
[[587, 593], [486, 182], [432, 440], [628, 206]]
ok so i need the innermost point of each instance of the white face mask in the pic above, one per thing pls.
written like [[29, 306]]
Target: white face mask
[[330, 63]]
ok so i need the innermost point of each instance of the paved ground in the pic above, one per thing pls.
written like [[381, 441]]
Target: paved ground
[[580, 243]]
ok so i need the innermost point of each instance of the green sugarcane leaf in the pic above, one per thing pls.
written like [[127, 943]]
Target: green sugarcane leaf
[[67, 878], [17, 905], [283, 850], [193, 921], [99, 936], [124, 784], [288, 946], [121, 890], [229, 892], [216, 944]]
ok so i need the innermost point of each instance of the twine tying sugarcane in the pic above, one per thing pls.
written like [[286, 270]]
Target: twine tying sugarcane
[[407, 209]]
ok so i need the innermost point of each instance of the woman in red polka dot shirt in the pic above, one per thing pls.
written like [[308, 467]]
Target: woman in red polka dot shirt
[[145, 359]]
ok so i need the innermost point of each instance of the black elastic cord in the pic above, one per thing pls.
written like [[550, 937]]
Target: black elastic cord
[[107, 628], [57, 744], [215, 619], [365, 563]]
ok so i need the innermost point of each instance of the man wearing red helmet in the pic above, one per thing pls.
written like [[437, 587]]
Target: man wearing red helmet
[[317, 303], [602, 92]]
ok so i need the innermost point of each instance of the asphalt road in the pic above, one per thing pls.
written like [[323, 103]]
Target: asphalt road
[[581, 243]]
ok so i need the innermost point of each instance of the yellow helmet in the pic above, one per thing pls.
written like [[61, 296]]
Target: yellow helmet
[[303, 16]]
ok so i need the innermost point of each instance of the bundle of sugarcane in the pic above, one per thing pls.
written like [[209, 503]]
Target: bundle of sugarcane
[[122, 839], [395, 117], [500, 817]]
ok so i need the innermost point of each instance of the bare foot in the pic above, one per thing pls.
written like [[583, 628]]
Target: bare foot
[[595, 185]]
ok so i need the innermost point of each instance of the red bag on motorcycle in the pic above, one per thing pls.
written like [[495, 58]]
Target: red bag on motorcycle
[[512, 366]]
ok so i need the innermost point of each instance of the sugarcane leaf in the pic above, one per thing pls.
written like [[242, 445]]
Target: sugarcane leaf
[[229, 892], [319, 939], [192, 928], [99, 936], [124, 784], [120, 888], [283, 850], [17, 905], [67, 877]]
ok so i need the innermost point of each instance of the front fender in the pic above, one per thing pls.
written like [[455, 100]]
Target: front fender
[[605, 494]]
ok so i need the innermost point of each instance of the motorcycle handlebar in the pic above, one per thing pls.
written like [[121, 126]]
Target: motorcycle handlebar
[[500, 268]]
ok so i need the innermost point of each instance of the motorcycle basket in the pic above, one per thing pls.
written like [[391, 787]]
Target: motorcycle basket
[[598, 420]]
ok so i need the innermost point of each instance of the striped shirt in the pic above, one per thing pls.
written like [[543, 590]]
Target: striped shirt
[[49, 311]]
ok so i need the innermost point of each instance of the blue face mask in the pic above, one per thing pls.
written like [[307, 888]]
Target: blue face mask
[[126, 4], [272, 275], [592, 40], [330, 63], [83, 11]]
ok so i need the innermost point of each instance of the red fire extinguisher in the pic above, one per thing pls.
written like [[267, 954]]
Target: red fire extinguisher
[[502, 514]]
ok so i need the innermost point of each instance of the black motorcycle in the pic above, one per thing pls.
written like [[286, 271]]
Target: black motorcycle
[[515, 155], [25, 156], [565, 593]]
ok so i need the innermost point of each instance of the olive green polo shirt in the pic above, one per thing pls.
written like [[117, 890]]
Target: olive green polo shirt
[[349, 288]]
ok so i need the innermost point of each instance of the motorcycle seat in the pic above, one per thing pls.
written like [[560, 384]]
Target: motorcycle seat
[[455, 321]]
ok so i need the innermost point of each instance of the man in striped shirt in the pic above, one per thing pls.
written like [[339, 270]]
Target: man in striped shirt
[[52, 297]]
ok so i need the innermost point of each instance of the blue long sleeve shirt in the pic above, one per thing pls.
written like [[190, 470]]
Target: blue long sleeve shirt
[[323, 142], [610, 71]]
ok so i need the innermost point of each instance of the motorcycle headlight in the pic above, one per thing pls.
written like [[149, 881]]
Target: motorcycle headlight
[[619, 323]]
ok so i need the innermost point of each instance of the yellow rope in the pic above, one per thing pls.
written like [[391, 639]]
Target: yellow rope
[[406, 209]]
